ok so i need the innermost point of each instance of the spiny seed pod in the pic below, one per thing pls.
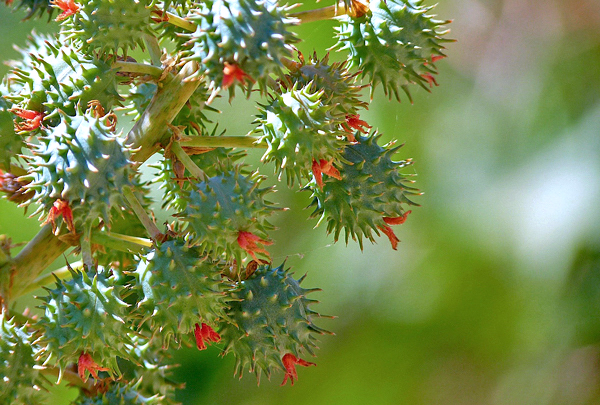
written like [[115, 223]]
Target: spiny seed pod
[[371, 194], [53, 76], [299, 129], [86, 321], [20, 373], [241, 40], [180, 288], [119, 393], [270, 318], [154, 371], [334, 80], [227, 213], [175, 186], [34, 6], [82, 163], [10, 142], [110, 25], [192, 116], [395, 43]]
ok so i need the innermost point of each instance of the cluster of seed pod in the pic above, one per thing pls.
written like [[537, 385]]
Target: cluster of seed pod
[[208, 276]]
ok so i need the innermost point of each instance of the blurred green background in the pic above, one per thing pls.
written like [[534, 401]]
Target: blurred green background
[[493, 296]]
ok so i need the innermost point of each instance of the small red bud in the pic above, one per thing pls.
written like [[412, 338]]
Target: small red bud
[[323, 166], [86, 363], [205, 334], [248, 241], [67, 6], [289, 362]]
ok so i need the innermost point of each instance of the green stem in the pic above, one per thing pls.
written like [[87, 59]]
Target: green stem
[[35, 257], [187, 161], [149, 130], [141, 68], [122, 243], [180, 22], [63, 273], [222, 142], [140, 212], [153, 49], [325, 13]]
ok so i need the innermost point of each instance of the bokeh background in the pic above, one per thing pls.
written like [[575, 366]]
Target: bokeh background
[[493, 296]]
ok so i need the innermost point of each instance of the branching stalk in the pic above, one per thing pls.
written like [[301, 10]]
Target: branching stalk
[[141, 213], [325, 13], [222, 142], [62, 273], [153, 49], [187, 161], [140, 68]]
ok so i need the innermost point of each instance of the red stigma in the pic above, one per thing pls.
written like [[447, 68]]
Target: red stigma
[[396, 220], [354, 121], [248, 241], [324, 167], [67, 6], [391, 236], [430, 79], [86, 363], [61, 207], [289, 362], [205, 334], [32, 119], [232, 73]]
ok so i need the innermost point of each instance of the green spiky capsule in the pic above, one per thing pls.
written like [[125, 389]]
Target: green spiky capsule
[[10, 142], [108, 26], [35, 6], [210, 161], [227, 214], [299, 128], [179, 288], [269, 318], [249, 34], [394, 44], [119, 393], [334, 80], [52, 76], [83, 163], [371, 189], [86, 315], [19, 371]]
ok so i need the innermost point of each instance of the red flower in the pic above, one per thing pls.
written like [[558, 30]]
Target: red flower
[[67, 6], [325, 167], [205, 334], [86, 363], [248, 241], [231, 73], [61, 207], [289, 362], [396, 220], [354, 121], [389, 232], [33, 119]]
